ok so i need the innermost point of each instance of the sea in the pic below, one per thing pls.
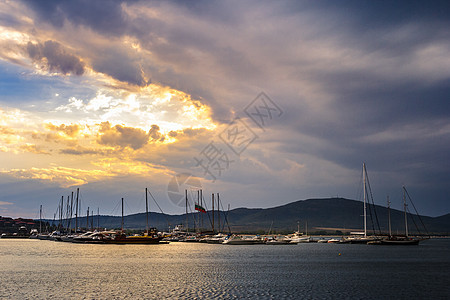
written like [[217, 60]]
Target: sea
[[35, 269]]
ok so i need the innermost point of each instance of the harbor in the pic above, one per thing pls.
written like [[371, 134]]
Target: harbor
[[220, 232]]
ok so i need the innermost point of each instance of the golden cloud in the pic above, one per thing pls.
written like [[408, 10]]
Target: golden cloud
[[64, 177], [33, 149], [6, 131], [122, 136], [68, 130], [105, 168]]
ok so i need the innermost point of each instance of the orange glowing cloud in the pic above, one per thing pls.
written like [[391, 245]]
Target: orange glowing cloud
[[68, 130], [122, 136], [33, 149]]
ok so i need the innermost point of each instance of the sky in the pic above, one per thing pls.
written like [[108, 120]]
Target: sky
[[263, 102]]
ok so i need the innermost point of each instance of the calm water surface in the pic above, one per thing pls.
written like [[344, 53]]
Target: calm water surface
[[34, 269]]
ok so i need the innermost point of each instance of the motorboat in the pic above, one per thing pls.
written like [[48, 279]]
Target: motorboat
[[242, 240]]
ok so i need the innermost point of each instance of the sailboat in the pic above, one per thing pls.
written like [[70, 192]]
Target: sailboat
[[151, 236], [361, 237], [399, 239]]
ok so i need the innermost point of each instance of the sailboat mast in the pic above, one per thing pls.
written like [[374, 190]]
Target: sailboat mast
[[364, 191], [146, 207], [404, 206], [201, 204], [61, 213], [76, 212], [212, 197], [67, 213], [121, 226], [389, 215], [198, 213], [71, 212], [306, 227], [40, 219], [218, 211], [98, 218], [187, 220]]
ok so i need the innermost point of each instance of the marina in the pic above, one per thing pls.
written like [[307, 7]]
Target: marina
[[66, 232]]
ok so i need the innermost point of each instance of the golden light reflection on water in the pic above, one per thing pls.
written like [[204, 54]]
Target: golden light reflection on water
[[33, 269]]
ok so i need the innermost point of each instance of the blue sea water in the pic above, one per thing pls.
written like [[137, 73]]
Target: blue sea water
[[34, 269]]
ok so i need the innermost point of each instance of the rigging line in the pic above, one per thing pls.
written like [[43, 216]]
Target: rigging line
[[359, 190], [190, 209], [142, 199], [192, 214], [270, 228], [226, 219], [368, 200], [417, 213], [115, 207], [373, 205], [80, 197], [207, 210], [370, 212], [129, 209], [411, 217], [165, 216]]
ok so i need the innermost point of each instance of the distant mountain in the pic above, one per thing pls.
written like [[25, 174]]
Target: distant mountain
[[322, 215]]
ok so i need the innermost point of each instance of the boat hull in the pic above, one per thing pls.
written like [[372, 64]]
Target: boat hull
[[395, 242], [134, 240]]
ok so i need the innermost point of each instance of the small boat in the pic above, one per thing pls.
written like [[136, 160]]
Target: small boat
[[358, 238], [189, 239], [242, 240], [334, 241], [44, 236], [282, 240], [121, 238], [215, 239], [299, 237], [82, 238], [55, 236]]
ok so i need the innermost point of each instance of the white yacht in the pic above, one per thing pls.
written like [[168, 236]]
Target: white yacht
[[242, 240]]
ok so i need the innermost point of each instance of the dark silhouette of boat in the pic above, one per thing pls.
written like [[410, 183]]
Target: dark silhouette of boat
[[400, 239]]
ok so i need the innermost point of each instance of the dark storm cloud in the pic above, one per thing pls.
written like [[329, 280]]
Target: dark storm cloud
[[390, 95], [9, 20], [382, 13], [105, 16], [391, 125], [119, 64], [55, 57]]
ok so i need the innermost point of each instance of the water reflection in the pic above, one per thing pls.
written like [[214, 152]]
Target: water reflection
[[33, 269]]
